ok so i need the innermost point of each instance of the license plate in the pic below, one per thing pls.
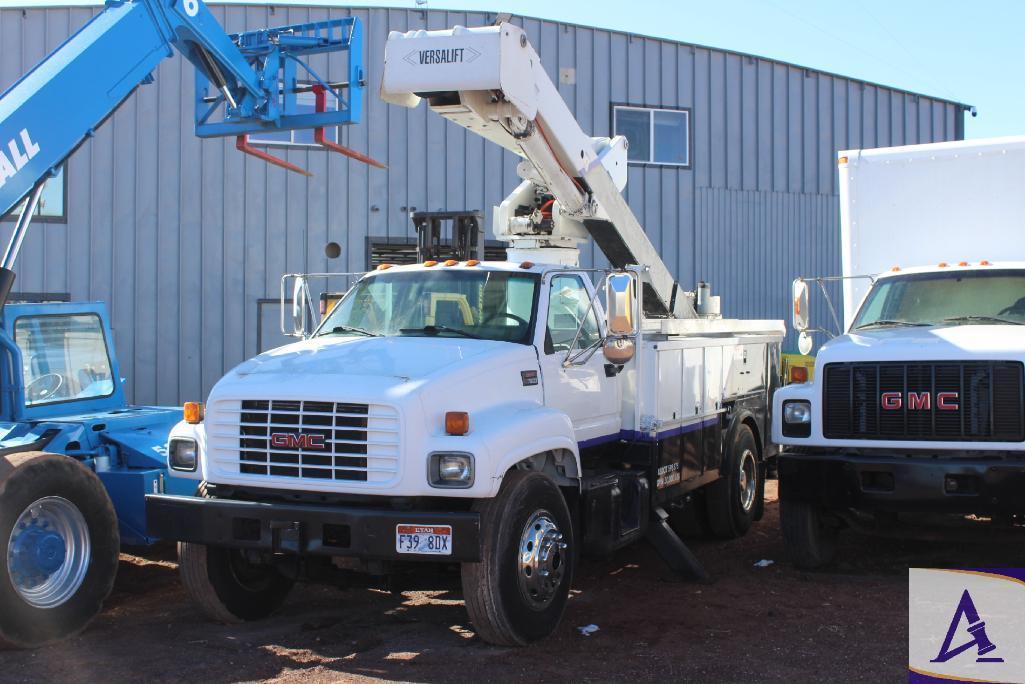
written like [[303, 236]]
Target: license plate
[[428, 539]]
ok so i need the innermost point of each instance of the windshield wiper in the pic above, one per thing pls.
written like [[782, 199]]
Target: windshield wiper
[[435, 329], [981, 319], [350, 328], [887, 322]]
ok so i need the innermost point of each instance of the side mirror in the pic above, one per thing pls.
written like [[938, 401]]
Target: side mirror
[[618, 350], [800, 301], [300, 297], [621, 305], [805, 342]]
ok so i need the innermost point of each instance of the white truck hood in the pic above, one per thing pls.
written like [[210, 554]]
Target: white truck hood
[[935, 343]]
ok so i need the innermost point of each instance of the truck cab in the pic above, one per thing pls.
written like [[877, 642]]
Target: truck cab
[[917, 408]]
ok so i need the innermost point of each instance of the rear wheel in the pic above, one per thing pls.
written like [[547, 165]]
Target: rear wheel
[[733, 499], [60, 548], [517, 592], [809, 534], [227, 587]]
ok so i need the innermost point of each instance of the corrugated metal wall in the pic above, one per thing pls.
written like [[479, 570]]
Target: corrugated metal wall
[[183, 236]]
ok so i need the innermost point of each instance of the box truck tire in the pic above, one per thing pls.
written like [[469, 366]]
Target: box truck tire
[[809, 536], [227, 587], [733, 500], [59, 541], [517, 592]]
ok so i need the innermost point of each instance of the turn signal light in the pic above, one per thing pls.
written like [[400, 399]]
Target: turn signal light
[[193, 412], [457, 422], [798, 374]]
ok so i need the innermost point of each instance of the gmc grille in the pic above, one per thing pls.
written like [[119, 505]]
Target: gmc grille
[[989, 404], [315, 440]]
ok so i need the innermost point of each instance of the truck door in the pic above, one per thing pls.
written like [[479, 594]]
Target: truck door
[[583, 390]]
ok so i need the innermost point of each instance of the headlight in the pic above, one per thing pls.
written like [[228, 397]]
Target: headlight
[[182, 454], [796, 419], [450, 470]]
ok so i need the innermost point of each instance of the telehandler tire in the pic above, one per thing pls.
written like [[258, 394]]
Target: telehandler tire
[[59, 545], [810, 539], [733, 499], [517, 592], [227, 587]]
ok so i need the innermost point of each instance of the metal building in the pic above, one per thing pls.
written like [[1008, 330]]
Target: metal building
[[186, 239]]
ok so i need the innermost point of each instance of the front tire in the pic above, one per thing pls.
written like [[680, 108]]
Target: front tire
[[734, 499], [227, 587], [60, 542], [518, 590], [809, 536]]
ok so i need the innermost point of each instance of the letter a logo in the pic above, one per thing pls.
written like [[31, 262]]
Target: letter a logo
[[977, 629]]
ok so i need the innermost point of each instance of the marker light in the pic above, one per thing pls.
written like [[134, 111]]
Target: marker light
[[384, 267], [430, 263], [798, 374], [473, 262], [841, 161], [962, 263], [527, 264], [193, 412], [451, 262], [457, 422], [984, 262], [942, 264], [895, 269]]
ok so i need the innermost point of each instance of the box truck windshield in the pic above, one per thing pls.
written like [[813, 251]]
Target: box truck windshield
[[955, 297]]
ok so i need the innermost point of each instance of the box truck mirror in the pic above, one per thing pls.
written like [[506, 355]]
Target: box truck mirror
[[621, 305], [800, 300], [805, 342], [300, 296]]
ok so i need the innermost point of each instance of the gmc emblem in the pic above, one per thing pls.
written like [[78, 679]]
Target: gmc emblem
[[919, 401], [293, 440]]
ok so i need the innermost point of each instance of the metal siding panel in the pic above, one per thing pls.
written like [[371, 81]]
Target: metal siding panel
[[795, 131], [749, 127], [868, 117], [884, 137], [826, 148], [780, 128], [763, 120], [717, 119], [810, 128], [734, 139], [702, 124]]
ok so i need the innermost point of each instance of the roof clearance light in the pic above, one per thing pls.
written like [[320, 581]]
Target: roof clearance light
[[473, 262], [384, 267], [430, 263], [457, 422], [527, 264], [895, 269], [984, 262], [962, 263], [451, 262], [841, 161], [942, 264]]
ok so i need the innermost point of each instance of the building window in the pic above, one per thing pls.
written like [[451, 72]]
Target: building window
[[52, 207], [305, 103], [656, 136]]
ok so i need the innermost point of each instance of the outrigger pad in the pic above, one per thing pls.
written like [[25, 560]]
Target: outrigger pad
[[674, 552]]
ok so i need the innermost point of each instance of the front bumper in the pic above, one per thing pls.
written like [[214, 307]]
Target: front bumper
[[367, 533], [900, 483]]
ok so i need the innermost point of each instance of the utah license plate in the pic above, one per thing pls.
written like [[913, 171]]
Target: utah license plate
[[429, 539]]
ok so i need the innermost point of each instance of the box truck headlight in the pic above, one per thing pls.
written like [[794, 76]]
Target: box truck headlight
[[183, 454], [796, 419], [450, 470]]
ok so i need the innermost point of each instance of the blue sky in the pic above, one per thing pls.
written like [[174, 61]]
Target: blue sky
[[968, 52]]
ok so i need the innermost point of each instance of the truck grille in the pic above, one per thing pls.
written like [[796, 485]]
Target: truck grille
[[318, 440], [928, 401]]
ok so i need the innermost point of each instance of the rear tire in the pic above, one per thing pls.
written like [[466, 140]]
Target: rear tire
[[733, 499], [227, 587], [809, 536], [59, 546], [527, 532]]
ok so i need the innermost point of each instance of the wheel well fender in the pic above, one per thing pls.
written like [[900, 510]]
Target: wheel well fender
[[744, 417]]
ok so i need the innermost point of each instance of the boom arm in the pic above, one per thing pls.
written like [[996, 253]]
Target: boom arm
[[490, 81]]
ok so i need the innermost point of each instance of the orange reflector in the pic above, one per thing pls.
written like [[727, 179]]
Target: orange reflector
[[451, 262], [384, 267], [473, 262], [841, 160], [428, 264], [457, 422], [527, 264], [984, 262], [895, 269], [942, 264], [962, 263], [798, 374], [193, 412]]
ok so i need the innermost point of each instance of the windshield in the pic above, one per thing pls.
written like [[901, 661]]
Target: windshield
[[64, 357], [956, 297], [491, 305]]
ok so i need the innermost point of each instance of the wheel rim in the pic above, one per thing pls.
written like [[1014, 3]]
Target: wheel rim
[[748, 479], [542, 560], [48, 553]]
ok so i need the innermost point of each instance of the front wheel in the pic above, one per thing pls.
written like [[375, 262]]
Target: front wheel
[[227, 587], [810, 535], [517, 592], [59, 541], [734, 499]]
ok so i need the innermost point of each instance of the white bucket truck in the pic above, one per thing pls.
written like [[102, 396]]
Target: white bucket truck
[[490, 415], [918, 407]]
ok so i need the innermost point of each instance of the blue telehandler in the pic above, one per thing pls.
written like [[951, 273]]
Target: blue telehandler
[[76, 461]]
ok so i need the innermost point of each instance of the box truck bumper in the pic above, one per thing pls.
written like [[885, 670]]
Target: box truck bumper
[[900, 483], [370, 533]]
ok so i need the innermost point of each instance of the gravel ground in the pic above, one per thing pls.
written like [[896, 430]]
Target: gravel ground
[[749, 624]]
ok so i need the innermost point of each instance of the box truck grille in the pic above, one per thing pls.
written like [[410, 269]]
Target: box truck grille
[[928, 401], [312, 440]]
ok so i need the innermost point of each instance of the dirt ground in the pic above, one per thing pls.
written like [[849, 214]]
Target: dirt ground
[[750, 624]]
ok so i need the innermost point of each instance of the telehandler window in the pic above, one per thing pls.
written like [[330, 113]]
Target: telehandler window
[[64, 358]]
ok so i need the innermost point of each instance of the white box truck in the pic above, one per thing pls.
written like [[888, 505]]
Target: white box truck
[[494, 416], [917, 404]]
